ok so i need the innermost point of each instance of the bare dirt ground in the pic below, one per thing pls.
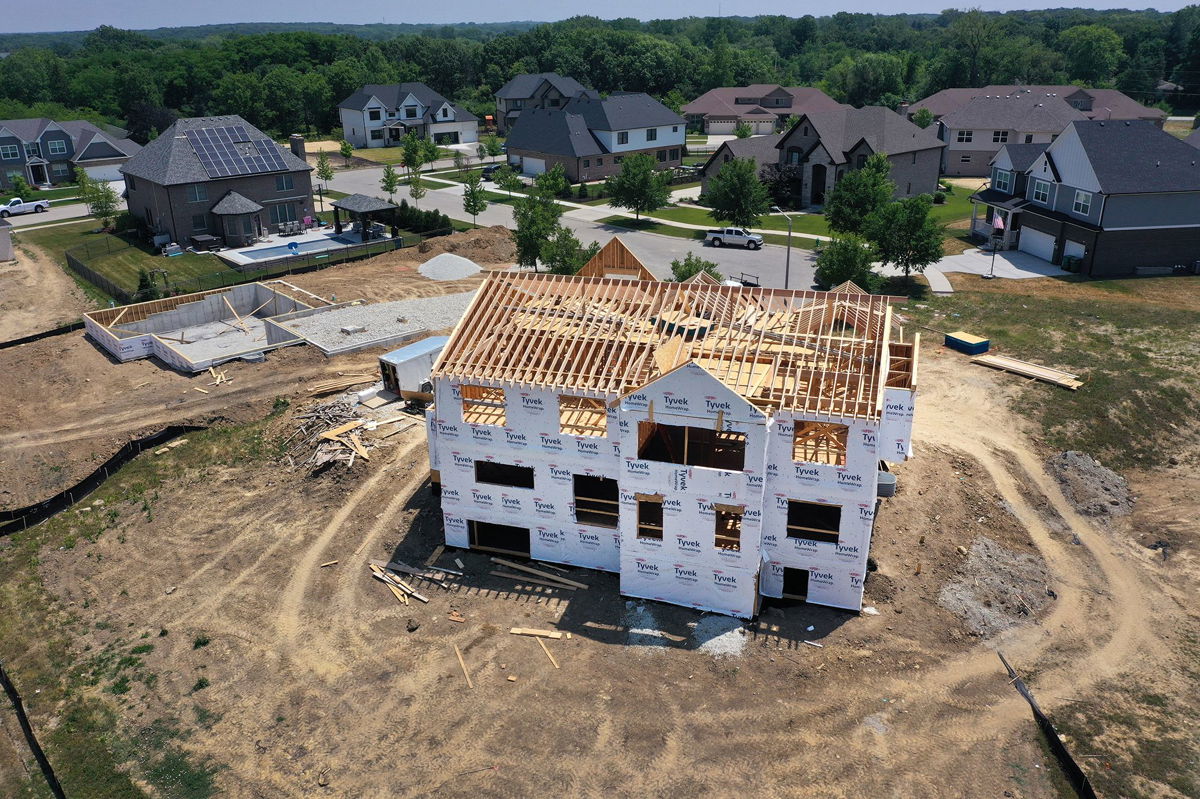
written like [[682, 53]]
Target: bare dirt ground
[[314, 681], [36, 295], [67, 406], [314, 677]]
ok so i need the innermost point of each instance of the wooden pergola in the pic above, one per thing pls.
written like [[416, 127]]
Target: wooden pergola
[[807, 352]]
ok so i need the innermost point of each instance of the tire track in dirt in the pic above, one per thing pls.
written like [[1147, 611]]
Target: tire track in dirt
[[291, 604]]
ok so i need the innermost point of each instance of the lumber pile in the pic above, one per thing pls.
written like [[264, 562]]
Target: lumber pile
[[219, 378], [1030, 370], [341, 383], [329, 432]]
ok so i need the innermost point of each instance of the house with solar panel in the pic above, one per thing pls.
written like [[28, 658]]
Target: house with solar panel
[[382, 115], [217, 180]]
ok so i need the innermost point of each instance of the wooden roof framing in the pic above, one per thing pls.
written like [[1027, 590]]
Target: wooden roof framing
[[615, 260], [806, 352]]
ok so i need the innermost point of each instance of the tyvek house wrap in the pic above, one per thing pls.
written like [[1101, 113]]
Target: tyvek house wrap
[[685, 567]]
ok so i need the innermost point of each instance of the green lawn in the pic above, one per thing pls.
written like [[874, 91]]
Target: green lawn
[[393, 155], [62, 193]]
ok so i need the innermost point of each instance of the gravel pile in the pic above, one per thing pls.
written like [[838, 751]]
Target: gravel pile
[[720, 636], [435, 313], [642, 628], [448, 266], [1094, 489], [996, 588]]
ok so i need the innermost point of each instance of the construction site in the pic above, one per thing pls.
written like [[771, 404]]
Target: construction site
[[848, 518]]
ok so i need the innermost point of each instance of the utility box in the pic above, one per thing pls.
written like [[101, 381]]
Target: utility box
[[406, 370]]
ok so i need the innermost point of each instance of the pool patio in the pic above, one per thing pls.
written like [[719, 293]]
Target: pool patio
[[276, 246]]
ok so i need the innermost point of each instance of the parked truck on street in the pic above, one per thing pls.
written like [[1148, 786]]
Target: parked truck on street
[[18, 206], [733, 235]]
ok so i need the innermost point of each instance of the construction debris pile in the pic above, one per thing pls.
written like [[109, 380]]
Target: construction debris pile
[[328, 432]]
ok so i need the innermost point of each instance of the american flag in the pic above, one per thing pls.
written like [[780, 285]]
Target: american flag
[[997, 222]]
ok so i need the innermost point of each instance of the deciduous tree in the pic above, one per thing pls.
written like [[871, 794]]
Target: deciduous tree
[[638, 187], [736, 195], [390, 181], [474, 203], [858, 194], [845, 258], [904, 233], [690, 266]]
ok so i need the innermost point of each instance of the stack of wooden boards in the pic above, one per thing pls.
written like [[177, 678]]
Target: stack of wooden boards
[[1031, 370], [389, 573], [342, 382]]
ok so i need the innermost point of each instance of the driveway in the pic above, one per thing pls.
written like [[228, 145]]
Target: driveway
[[1011, 264], [656, 251]]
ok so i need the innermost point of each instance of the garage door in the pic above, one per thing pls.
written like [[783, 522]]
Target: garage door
[[1073, 249], [533, 166], [718, 127], [112, 172], [1035, 242]]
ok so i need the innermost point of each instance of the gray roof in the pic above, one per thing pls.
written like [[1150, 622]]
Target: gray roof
[[362, 204], [1024, 112], [169, 160], [623, 111], [723, 101], [80, 131], [884, 131], [763, 149], [553, 131], [1194, 139], [233, 203], [523, 86], [391, 95], [1022, 156], [1106, 103], [1136, 157]]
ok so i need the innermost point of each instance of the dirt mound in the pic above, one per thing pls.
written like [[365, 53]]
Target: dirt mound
[[489, 245], [1093, 489], [996, 588]]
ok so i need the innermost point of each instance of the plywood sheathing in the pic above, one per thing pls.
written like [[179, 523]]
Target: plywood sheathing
[[798, 351], [615, 260]]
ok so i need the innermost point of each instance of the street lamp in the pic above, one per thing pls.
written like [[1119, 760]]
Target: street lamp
[[787, 263]]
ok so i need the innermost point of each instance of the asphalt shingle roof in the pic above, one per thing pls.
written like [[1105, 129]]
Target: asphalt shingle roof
[[623, 112], [80, 131], [1025, 112], [763, 149], [1194, 139], [553, 131], [362, 204], [1022, 156], [883, 129], [523, 86], [234, 203], [169, 160], [1136, 157], [1106, 103], [722, 101], [391, 95]]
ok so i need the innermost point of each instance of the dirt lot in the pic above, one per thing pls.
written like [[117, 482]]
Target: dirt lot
[[36, 295], [285, 678], [68, 405]]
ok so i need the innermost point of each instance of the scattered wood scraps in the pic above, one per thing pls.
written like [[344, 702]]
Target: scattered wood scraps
[[543, 574], [463, 664], [535, 633], [546, 649]]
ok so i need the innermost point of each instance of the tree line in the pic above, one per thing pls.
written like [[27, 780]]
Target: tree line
[[293, 80]]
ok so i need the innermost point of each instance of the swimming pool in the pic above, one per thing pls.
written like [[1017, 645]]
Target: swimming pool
[[283, 250]]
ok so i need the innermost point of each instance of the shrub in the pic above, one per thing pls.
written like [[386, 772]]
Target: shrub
[[939, 198], [199, 641]]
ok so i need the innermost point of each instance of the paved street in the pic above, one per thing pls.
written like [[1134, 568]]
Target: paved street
[[656, 251]]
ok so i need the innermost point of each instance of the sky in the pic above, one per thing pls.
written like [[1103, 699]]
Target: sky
[[142, 14]]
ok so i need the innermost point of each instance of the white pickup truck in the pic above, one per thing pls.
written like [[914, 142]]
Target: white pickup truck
[[18, 206], [733, 235]]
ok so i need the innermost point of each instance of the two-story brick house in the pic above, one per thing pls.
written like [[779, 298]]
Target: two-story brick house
[[825, 145], [537, 90], [1111, 196], [45, 152], [704, 472], [590, 137], [976, 131], [216, 176], [382, 115]]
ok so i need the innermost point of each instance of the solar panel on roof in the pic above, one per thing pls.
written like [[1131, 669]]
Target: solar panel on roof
[[222, 152]]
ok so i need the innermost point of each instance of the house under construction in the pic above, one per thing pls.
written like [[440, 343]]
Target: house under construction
[[712, 444]]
